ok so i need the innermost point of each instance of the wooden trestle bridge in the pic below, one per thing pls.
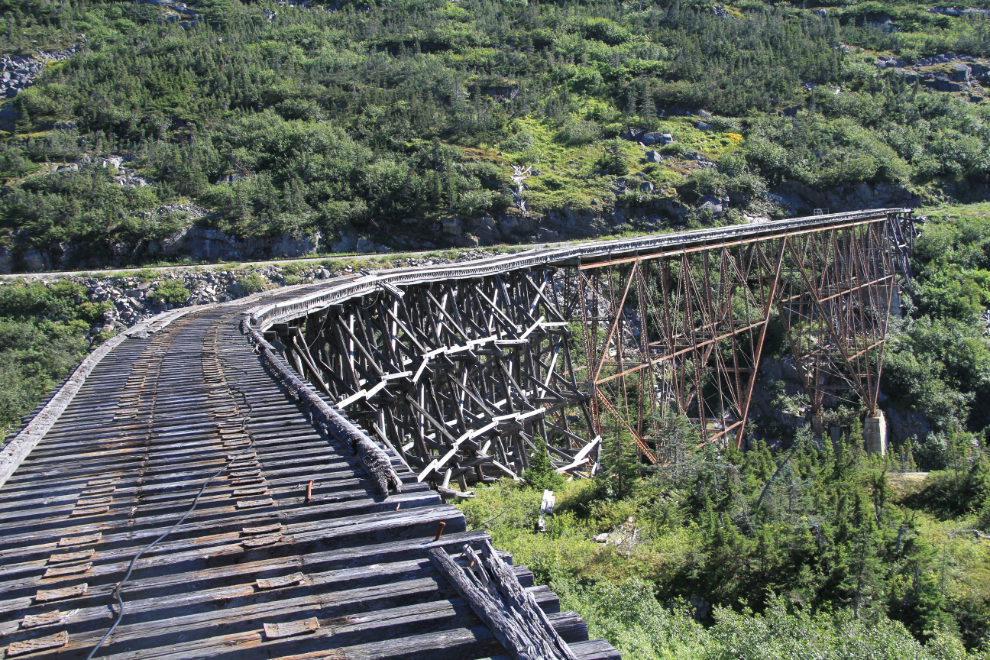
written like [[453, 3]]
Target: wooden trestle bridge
[[266, 478]]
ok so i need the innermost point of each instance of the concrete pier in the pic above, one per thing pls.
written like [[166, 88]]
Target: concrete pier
[[817, 425], [875, 433]]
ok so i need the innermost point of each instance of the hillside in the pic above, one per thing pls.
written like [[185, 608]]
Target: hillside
[[140, 133]]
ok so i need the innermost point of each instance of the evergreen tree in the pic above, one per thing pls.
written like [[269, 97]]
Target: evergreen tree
[[541, 475], [619, 463]]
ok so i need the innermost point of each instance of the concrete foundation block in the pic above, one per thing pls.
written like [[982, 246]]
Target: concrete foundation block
[[875, 433], [817, 425]]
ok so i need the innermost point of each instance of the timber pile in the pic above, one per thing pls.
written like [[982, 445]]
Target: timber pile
[[292, 551]]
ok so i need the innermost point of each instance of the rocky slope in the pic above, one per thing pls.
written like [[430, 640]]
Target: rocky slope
[[135, 297]]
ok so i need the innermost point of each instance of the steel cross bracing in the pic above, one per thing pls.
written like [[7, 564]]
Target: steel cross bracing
[[681, 333], [465, 370]]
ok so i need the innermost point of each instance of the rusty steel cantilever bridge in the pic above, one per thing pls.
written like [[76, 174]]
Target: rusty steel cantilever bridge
[[266, 478]]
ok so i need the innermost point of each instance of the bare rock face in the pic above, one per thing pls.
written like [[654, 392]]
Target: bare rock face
[[347, 243], [452, 226], [294, 246], [902, 425], [365, 245], [486, 230], [35, 261]]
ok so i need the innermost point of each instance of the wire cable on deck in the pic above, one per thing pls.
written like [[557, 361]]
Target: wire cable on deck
[[130, 568]]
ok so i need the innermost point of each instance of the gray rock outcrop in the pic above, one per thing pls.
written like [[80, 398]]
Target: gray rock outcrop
[[16, 73]]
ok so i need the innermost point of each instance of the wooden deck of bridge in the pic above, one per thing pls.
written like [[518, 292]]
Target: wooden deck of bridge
[[344, 572]]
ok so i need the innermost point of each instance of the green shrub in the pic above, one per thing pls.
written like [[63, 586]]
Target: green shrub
[[579, 132], [103, 335], [55, 301], [92, 312], [170, 292], [726, 124], [541, 474], [251, 283], [615, 162], [521, 141], [676, 149], [34, 356]]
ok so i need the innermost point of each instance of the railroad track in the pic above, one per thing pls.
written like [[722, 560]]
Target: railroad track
[[291, 551]]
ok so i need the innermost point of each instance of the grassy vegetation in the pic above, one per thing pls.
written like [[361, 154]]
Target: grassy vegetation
[[831, 550], [359, 117], [42, 338], [694, 586], [170, 292]]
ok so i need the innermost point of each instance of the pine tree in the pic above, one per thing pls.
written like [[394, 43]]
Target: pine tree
[[541, 475], [619, 463], [649, 108]]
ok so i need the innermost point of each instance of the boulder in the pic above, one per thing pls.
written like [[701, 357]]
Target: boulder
[[647, 187], [961, 72], [653, 157], [712, 204], [650, 138], [944, 85], [703, 126], [633, 134], [665, 138]]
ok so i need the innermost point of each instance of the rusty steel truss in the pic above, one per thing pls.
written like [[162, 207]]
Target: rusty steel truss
[[682, 332], [464, 371]]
